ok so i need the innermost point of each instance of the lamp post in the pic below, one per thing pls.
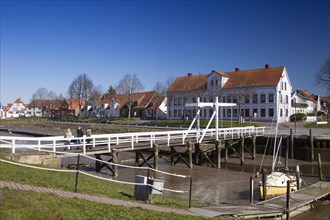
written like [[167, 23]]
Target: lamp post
[[295, 117]]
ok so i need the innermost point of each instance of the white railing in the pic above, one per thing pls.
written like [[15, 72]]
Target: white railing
[[119, 140]]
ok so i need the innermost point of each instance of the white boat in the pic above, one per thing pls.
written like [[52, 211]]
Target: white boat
[[276, 181]]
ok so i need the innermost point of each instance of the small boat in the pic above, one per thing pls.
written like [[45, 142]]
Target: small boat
[[276, 181], [276, 184]]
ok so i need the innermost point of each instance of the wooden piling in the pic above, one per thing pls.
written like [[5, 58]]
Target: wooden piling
[[156, 155], [137, 158], [298, 177], [291, 143], [219, 148], [320, 166], [264, 189], [288, 200], [254, 146], [311, 144], [190, 149], [115, 161], [226, 152], [242, 150], [251, 189]]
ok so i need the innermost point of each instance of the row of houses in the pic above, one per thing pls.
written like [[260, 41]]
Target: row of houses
[[262, 94]]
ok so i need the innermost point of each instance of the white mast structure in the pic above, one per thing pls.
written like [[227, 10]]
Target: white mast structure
[[215, 105]]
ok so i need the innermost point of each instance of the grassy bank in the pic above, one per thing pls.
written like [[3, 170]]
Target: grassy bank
[[86, 184], [31, 205]]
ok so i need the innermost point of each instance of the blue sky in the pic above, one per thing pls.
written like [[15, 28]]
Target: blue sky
[[49, 43]]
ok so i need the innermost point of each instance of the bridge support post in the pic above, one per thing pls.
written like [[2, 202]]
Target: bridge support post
[[291, 143], [115, 160], [219, 148], [156, 155], [254, 146], [226, 151], [311, 144], [137, 158], [197, 152], [190, 149], [242, 150]]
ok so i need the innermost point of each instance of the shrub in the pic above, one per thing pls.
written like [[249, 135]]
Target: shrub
[[298, 117]]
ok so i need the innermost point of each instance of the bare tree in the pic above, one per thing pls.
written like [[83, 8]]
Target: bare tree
[[322, 77], [41, 93], [160, 88], [81, 88], [128, 87], [96, 93]]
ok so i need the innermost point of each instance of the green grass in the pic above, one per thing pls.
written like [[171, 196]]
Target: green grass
[[32, 205], [314, 125], [203, 123], [86, 184]]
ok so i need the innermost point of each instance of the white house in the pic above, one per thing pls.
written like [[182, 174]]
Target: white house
[[304, 102], [15, 109], [260, 94]]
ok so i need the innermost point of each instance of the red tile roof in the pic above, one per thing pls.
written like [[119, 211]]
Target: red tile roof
[[189, 83], [255, 78]]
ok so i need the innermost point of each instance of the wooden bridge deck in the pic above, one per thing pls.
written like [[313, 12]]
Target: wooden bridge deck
[[274, 207]]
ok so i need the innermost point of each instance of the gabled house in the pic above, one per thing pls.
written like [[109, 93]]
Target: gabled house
[[260, 94], [143, 105], [15, 109], [304, 102], [75, 105]]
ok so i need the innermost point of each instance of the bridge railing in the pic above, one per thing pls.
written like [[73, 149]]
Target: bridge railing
[[118, 140]]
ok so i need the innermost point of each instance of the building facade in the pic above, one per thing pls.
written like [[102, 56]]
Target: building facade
[[260, 94]]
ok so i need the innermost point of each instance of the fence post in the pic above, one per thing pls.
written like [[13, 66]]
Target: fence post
[[288, 200], [77, 174], [146, 190], [190, 190]]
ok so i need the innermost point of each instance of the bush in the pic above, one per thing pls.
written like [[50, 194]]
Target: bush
[[298, 117], [320, 113]]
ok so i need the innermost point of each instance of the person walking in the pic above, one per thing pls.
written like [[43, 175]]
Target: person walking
[[89, 134], [80, 134], [68, 136]]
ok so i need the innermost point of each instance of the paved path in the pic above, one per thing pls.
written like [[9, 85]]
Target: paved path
[[100, 199]]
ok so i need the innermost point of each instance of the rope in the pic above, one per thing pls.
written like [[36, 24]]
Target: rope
[[40, 168]]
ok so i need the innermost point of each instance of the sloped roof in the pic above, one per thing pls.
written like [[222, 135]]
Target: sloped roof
[[237, 79], [74, 103], [254, 78], [145, 99], [18, 100], [189, 83]]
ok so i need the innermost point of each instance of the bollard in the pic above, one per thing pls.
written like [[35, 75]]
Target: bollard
[[311, 144]]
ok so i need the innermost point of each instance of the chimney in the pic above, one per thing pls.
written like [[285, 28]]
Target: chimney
[[237, 69], [189, 74], [267, 66]]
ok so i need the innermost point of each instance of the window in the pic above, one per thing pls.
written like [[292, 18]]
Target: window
[[263, 98], [194, 100], [247, 99], [175, 101], [271, 112], [175, 113], [204, 112], [286, 112], [211, 82], [282, 86], [255, 98], [229, 99], [224, 113], [286, 99], [210, 112], [271, 98], [179, 113], [228, 112], [179, 101], [263, 112], [216, 82], [285, 86], [194, 112], [235, 112], [281, 112], [247, 112], [255, 112], [235, 100], [281, 98]]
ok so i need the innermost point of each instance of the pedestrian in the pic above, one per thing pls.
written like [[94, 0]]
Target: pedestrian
[[80, 134], [68, 136], [89, 134]]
